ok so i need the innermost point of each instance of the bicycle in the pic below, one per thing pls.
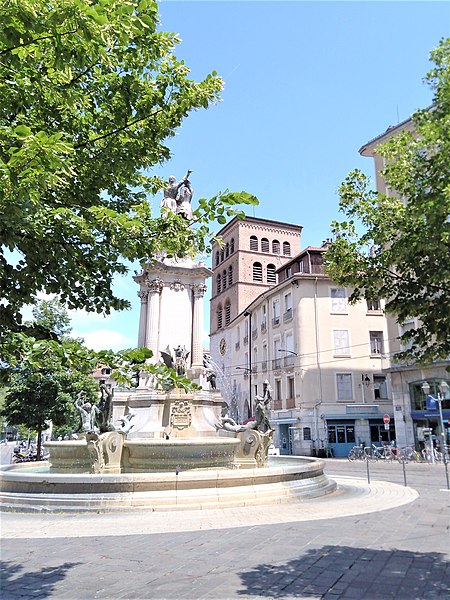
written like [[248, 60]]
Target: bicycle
[[356, 453], [408, 454], [388, 452]]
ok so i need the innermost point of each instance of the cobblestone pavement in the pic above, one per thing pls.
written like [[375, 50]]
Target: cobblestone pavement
[[329, 548]]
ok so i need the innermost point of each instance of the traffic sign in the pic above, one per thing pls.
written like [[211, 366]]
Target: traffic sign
[[386, 419]]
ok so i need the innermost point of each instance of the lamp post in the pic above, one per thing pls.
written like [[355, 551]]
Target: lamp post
[[250, 351], [443, 389]]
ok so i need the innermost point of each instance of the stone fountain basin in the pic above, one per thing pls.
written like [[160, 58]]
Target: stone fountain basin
[[30, 487], [144, 455]]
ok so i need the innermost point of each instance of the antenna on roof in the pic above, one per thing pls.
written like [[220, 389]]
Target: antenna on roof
[[398, 116]]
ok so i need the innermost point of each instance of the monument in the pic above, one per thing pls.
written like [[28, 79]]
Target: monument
[[134, 442]]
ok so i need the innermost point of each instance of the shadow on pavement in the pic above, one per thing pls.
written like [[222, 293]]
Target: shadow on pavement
[[330, 572], [39, 584]]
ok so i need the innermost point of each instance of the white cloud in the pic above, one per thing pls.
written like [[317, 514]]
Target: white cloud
[[105, 339]]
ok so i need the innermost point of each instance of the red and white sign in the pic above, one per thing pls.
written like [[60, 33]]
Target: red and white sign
[[386, 419]]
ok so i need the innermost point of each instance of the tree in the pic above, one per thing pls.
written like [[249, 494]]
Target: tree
[[403, 254], [52, 316], [47, 394], [90, 90]]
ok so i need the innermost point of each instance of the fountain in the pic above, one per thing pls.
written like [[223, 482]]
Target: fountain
[[163, 449]]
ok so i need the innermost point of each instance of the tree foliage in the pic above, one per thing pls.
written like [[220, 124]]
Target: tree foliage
[[403, 254], [90, 91]]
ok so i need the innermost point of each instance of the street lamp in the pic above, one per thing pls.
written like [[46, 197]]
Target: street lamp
[[443, 389], [290, 351]]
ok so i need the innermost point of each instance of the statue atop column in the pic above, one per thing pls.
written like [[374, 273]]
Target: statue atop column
[[178, 196]]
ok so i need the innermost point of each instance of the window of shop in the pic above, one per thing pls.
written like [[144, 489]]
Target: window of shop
[[418, 399], [341, 434]]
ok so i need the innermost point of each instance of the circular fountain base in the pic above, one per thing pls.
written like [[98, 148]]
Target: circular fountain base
[[25, 488]]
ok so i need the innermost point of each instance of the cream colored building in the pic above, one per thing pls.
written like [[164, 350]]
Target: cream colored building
[[411, 414], [322, 357]]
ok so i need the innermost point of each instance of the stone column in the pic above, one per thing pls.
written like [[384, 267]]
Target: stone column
[[199, 290], [143, 295], [151, 336]]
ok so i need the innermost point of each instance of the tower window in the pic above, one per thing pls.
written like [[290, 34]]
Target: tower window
[[219, 284], [219, 317], [254, 243], [265, 245], [230, 275], [227, 313], [224, 280], [286, 249], [257, 272], [276, 247], [271, 275], [232, 246]]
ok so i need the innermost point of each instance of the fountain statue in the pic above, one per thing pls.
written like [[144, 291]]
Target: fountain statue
[[133, 441]]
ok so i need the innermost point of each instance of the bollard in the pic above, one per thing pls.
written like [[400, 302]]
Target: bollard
[[367, 466], [404, 470], [446, 461]]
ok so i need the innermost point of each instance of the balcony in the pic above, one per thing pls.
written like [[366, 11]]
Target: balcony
[[264, 365], [237, 345], [275, 321], [276, 363], [288, 361], [254, 333], [287, 316], [263, 327], [245, 340]]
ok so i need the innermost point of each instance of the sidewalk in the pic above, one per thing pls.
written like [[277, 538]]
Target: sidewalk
[[328, 548]]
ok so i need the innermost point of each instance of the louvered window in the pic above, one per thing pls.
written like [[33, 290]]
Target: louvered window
[[257, 272], [265, 245], [254, 243], [286, 249], [276, 247], [271, 275]]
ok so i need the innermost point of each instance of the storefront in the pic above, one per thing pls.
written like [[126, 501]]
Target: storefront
[[341, 436], [425, 413]]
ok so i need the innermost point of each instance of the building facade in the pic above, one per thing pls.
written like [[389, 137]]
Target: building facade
[[322, 357], [413, 415]]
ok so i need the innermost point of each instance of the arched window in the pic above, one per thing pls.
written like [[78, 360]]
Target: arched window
[[271, 275], [217, 258], [232, 246], [227, 250], [265, 245], [230, 275], [286, 249], [254, 243], [224, 280], [276, 247], [219, 317], [219, 283], [222, 254], [257, 271], [227, 313]]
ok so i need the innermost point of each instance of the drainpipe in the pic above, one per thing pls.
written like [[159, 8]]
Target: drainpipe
[[250, 352], [317, 339]]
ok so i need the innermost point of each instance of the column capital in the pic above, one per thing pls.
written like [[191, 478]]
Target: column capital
[[199, 289], [143, 295], [155, 285]]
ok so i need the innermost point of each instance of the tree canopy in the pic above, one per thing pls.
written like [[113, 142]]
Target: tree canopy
[[90, 92], [403, 254]]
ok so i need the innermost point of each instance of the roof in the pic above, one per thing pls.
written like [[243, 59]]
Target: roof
[[260, 221], [383, 137]]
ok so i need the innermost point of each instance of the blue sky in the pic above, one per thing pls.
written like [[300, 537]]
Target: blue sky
[[306, 85]]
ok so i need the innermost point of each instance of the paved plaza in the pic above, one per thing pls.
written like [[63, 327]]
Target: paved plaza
[[377, 541]]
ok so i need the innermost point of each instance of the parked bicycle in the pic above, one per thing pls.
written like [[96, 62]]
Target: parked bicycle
[[356, 453]]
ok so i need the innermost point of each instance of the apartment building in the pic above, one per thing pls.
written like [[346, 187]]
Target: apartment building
[[412, 413], [323, 358]]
